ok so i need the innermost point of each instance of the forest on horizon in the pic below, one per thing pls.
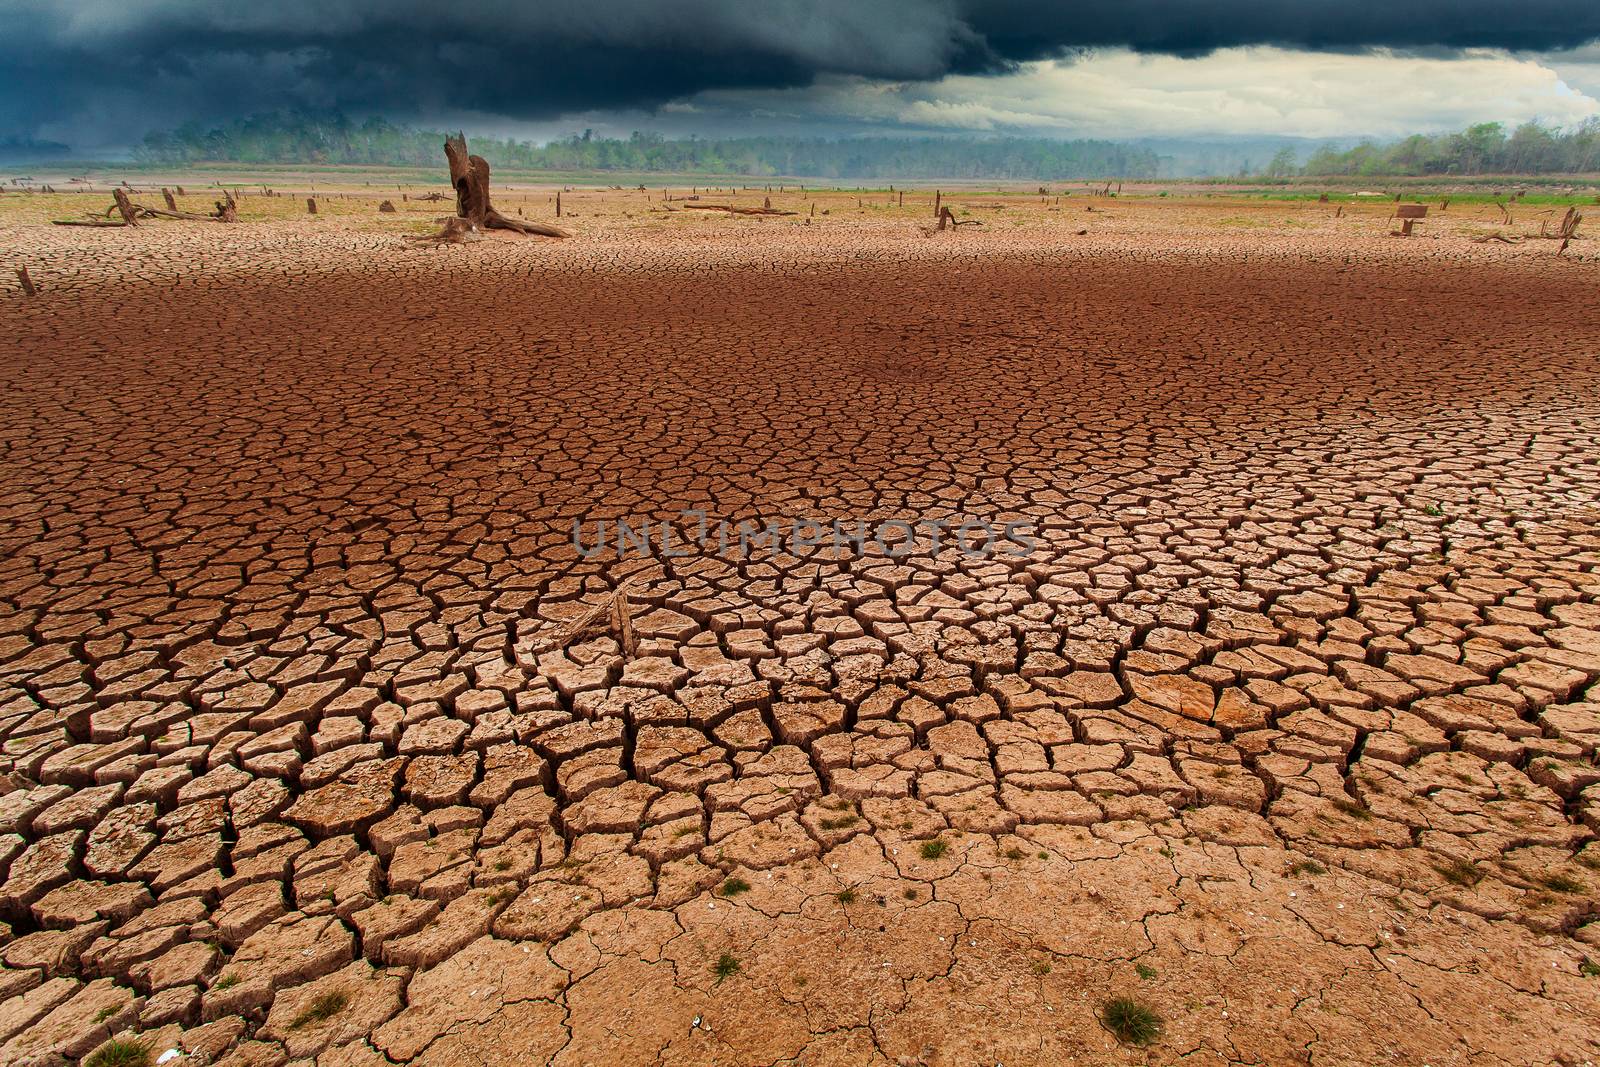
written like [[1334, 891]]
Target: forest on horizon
[[278, 137]]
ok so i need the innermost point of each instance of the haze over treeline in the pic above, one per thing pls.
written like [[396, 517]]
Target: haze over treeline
[[1486, 148]]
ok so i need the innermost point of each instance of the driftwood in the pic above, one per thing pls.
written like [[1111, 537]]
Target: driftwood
[[613, 614], [946, 216], [739, 210], [131, 213], [387, 207], [1567, 228], [470, 176], [1496, 237], [433, 196], [455, 231]]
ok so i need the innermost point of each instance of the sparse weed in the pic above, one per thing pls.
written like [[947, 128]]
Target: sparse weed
[[1353, 808], [726, 966], [1144, 970], [1459, 872], [120, 1052], [734, 886], [1130, 1021], [932, 850], [1562, 883], [845, 896], [321, 1009]]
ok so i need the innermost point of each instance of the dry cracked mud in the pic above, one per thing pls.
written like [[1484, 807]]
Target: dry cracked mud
[[1283, 724]]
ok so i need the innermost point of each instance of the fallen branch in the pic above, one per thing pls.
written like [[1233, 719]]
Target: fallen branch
[[1499, 237], [611, 614], [739, 210]]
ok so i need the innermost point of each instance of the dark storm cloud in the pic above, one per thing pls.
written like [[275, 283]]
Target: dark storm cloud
[[142, 63]]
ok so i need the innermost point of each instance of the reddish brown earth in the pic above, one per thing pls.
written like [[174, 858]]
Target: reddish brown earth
[[1286, 726]]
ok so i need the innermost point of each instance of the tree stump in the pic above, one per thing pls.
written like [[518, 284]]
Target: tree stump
[[387, 207], [311, 205], [125, 207], [470, 176], [172, 205]]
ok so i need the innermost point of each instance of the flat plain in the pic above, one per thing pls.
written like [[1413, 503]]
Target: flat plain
[[1281, 726]]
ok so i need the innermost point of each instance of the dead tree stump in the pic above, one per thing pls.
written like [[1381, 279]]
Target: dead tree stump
[[311, 205], [27, 282], [172, 205], [125, 207], [387, 207], [470, 176]]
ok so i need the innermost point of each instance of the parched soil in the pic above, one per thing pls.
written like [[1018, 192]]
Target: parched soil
[[1278, 716]]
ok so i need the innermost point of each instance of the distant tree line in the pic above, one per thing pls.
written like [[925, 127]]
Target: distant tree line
[[1482, 149], [304, 138]]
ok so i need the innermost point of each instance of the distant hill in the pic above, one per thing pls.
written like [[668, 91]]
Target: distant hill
[[27, 149]]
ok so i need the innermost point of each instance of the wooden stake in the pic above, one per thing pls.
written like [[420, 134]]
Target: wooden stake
[[27, 282]]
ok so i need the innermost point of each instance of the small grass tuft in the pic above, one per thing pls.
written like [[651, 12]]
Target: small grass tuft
[[1041, 967], [1307, 867], [845, 896], [120, 1052], [726, 967], [1144, 970], [932, 850], [1353, 808], [106, 1012], [1459, 872], [734, 886], [1589, 969], [1562, 883], [1130, 1021], [321, 1009], [227, 981]]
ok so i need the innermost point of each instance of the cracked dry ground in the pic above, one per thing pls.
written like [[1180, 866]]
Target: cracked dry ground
[[1286, 727]]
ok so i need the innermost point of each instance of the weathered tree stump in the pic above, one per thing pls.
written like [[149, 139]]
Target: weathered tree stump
[[27, 282], [387, 207], [311, 205], [124, 207], [470, 176], [172, 205]]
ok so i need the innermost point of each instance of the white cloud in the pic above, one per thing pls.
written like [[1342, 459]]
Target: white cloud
[[1240, 91]]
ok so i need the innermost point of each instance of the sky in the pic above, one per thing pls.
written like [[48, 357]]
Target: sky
[[96, 73]]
